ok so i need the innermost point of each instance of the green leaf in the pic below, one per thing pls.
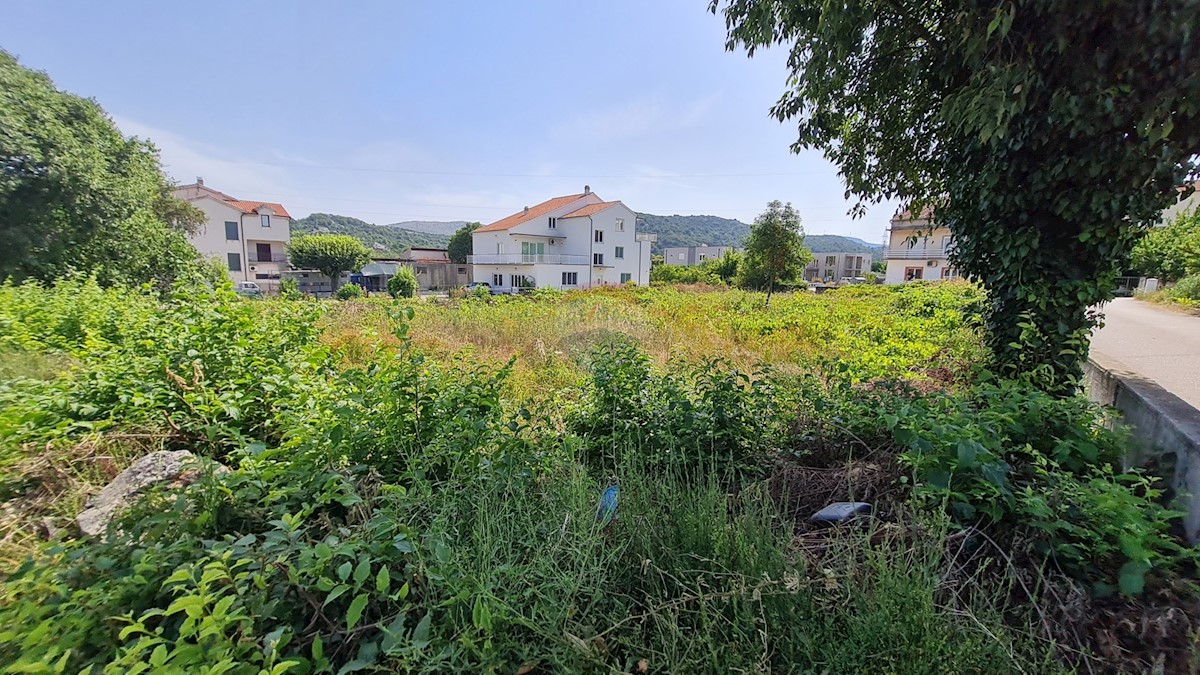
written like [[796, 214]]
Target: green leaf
[[356, 609], [420, 636], [392, 633], [480, 615], [362, 571], [967, 451], [383, 581], [344, 570], [335, 593], [1133, 577]]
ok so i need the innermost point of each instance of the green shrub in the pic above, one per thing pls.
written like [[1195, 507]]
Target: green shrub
[[349, 292], [698, 417], [1171, 252], [403, 283], [684, 274], [1187, 289], [289, 289], [1008, 455]]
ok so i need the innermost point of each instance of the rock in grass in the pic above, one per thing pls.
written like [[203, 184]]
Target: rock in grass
[[180, 467], [840, 512]]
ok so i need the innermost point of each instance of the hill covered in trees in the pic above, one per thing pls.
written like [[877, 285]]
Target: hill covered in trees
[[446, 227], [672, 231], [835, 243], [716, 231], [693, 230], [392, 239]]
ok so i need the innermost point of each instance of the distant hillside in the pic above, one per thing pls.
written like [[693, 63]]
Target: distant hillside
[[392, 239], [446, 228], [833, 243], [692, 230], [717, 231]]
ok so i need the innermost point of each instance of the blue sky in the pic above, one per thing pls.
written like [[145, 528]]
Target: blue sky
[[443, 110]]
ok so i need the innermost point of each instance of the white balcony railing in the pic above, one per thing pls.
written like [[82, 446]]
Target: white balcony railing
[[916, 253], [274, 257], [523, 259]]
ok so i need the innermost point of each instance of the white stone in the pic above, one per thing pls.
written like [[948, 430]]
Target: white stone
[[177, 465]]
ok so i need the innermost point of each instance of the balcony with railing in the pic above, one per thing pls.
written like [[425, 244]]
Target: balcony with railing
[[527, 259], [274, 257], [917, 252]]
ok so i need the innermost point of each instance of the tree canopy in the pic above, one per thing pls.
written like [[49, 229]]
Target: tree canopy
[[774, 250], [329, 254], [460, 243], [1044, 135], [76, 194], [1172, 252]]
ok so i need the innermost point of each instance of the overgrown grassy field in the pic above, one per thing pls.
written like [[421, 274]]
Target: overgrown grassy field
[[414, 488]]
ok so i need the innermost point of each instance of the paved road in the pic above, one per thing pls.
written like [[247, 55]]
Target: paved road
[[1156, 343]]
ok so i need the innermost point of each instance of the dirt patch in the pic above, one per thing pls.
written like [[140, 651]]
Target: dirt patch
[[1155, 633], [799, 491]]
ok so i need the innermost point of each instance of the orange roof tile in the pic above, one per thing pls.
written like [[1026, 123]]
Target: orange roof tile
[[590, 209], [907, 214], [252, 207], [525, 216]]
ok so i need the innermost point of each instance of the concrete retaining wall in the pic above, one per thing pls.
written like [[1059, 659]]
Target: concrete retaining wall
[[1164, 426]]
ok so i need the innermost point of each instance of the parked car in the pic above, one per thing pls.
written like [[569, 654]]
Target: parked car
[[247, 289], [480, 284]]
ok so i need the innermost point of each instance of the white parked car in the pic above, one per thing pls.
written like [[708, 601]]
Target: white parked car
[[247, 289]]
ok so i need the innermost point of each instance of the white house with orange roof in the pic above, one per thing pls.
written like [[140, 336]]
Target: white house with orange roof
[[918, 249], [248, 237], [575, 241]]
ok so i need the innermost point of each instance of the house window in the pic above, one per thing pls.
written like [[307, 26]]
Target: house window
[[597, 258], [422, 270], [497, 280], [266, 220], [914, 273], [532, 251], [231, 230], [235, 262], [570, 278], [831, 261], [619, 252], [521, 281], [553, 223], [499, 249], [599, 236], [620, 224], [462, 270], [947, 272], [626, 278]]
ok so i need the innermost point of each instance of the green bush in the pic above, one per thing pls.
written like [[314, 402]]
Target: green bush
[[1045, 469], [289, 289], [403, 284], [1188, 289], [204, 368], [699, 417], [349, 292], [1172, 252], [683, 274]]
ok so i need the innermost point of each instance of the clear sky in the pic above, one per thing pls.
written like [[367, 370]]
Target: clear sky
[[442, 109]]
